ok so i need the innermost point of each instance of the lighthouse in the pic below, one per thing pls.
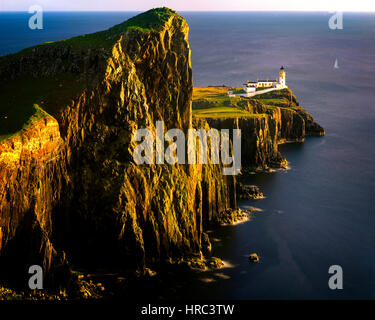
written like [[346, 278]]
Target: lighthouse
[[282, 78], [251, 87]]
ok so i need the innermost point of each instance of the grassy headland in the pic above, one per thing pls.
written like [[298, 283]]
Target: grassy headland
[[214, 102]]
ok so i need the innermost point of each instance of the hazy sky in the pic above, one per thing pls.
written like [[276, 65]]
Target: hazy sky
[[186, 5]]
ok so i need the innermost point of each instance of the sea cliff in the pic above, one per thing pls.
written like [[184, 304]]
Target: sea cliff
[[266, 120], [70, 192]]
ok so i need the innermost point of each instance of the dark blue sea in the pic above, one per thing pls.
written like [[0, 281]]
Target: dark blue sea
[[320, 212]]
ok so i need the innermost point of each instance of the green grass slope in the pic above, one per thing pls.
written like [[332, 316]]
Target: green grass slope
[[214, 102]]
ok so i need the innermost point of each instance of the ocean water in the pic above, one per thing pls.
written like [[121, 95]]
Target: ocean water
[[320, 212]]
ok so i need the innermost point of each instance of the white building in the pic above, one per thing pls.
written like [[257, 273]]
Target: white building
[[282, 78], [231, 94], [251, 86]]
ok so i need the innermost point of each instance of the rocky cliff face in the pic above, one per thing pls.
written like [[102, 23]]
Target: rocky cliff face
[[270, 124], [69, 189]]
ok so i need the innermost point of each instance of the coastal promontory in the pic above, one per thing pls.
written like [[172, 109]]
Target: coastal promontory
[[70, 191]]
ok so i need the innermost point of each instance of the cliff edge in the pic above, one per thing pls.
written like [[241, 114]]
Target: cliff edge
[[70, 191], [266, 120]]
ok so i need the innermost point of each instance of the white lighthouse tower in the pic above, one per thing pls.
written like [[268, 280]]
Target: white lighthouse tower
[[282, 78]]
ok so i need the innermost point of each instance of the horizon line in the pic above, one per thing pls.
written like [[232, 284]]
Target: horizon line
[[205, 11]]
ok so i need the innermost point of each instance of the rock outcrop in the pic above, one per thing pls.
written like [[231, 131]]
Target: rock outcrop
[[69, 188], [70, 191], [282, 120]]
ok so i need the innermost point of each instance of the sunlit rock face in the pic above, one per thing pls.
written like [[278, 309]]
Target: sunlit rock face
[[70, 191], [68, 180], [270, 125]]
